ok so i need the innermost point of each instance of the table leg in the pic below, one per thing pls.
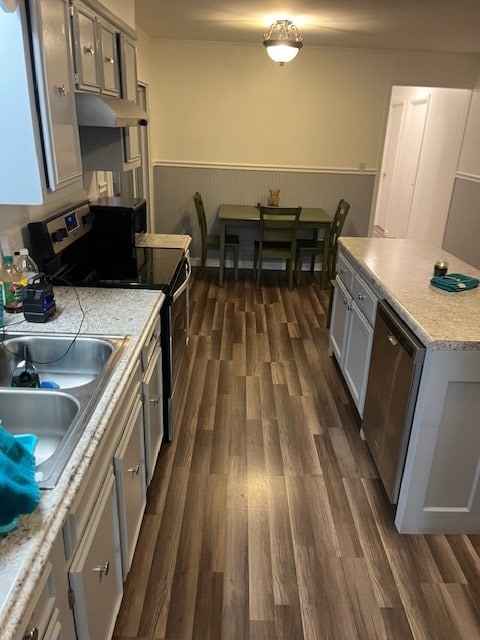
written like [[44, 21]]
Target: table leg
[[312, 259], [325, 256], [221, 269]]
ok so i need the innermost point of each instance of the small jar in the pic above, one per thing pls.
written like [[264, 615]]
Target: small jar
[[440, 269]]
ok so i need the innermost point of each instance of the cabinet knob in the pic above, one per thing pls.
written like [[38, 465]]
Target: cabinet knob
[[62, 91], [134, 470], [362, 296], [155, 400], [88, 50], [102, 569], [109, 59], [341, 270], [32, 634]]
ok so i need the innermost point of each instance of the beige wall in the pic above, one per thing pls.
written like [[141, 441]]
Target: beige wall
[[229, 103]]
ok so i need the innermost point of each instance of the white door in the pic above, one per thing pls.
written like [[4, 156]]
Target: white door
[[406, 168], [392, 139]]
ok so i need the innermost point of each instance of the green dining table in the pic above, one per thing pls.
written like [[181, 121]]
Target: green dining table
[[245, 215]]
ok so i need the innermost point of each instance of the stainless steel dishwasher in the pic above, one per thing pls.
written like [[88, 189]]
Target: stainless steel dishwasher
[[392, 389]]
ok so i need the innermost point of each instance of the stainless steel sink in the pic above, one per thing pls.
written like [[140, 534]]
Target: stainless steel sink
[[57, 418], [66, 360]]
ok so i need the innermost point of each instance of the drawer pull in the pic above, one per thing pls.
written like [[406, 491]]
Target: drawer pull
[[102, 569], [32, 634], [109, 59], [88, 50], [62, 91], [155, 400], [342, 270], [362, 296], [134, 470]]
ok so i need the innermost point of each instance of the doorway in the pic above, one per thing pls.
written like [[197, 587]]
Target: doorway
[[422, 146]]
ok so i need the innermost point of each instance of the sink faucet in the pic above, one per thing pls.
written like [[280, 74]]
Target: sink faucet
[[25, 373]]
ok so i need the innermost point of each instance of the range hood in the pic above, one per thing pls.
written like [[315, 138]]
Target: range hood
[[94, 110]]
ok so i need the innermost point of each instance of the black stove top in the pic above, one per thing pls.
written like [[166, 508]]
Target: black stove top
[[156, 269]]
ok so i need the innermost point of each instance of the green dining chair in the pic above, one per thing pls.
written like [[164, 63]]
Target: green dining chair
[[212, 241], [306, 247], [278, 230]]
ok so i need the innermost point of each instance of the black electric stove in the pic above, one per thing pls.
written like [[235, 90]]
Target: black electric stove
[[70, 250]]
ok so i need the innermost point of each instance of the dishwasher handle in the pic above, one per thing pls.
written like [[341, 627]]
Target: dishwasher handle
[[399, 334]]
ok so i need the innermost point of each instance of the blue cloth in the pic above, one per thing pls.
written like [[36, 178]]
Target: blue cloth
[[19, 493]]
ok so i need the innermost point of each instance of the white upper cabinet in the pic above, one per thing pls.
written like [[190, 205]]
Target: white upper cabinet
[[54, 73], [97, 68], [39, 152], [109, 58]]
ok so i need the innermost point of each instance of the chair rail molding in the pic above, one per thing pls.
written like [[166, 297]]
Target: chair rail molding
[[261, 167], [467, 176]]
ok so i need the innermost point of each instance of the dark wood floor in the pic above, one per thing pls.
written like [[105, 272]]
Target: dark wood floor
[[265, 518]]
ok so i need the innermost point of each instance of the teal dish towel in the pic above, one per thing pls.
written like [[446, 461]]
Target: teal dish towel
[[455, 282], [19, 493]]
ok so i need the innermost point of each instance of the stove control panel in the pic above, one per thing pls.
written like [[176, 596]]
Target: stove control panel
[[51, 236]]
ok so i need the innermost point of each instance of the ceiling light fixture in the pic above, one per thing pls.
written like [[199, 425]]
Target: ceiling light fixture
[[282, 41]]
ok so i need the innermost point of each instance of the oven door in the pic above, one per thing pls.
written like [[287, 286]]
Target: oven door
[[178, 301]]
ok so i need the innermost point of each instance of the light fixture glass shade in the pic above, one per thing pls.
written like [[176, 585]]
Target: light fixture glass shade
[[282, 41]]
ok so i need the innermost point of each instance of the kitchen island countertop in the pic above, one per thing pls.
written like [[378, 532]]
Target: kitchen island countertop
[[24, 552], [400, 270]]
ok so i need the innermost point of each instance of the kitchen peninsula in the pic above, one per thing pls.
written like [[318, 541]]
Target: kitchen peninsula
[[25, 553], [440, 490]]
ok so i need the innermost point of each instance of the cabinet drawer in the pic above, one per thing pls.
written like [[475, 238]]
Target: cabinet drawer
[[345, 272], [365, 299], [151, 342]]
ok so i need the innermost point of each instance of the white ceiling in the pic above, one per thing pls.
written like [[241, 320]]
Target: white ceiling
[[420, 25]]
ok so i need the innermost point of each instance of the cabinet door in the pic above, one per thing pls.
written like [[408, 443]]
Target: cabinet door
[[109, 58], [53, 65], [86, 42], [129, 465], [340, 315], [358, 348], [153, 411], [96, 573], [129, 92]]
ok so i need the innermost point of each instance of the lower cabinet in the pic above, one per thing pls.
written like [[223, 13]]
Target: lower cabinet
[[129, 466], [153, 410], [351, 329], [42, 615], [96, 571]]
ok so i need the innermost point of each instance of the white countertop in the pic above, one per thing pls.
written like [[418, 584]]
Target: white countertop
[[400, 271], [163, 241], [24, 552]]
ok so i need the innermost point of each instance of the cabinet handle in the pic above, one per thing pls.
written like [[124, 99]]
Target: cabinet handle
[[341, 270], [362, 296], [109, 59], [32, 634], [155, 400], [102, 569], [88, 50], [134, 470], [62, 91]]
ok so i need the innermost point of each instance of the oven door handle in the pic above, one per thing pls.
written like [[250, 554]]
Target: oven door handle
[[184, 285]]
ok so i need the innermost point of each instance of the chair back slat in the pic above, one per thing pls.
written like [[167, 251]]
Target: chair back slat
[[279, 224], [202, 221], [335, 231]]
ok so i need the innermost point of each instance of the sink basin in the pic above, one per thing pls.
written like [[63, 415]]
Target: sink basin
[[63, 359], [50, 415], [82, 366]]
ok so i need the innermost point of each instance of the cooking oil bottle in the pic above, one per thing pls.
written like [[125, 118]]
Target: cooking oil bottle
[[12, 287], [28, 268]]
